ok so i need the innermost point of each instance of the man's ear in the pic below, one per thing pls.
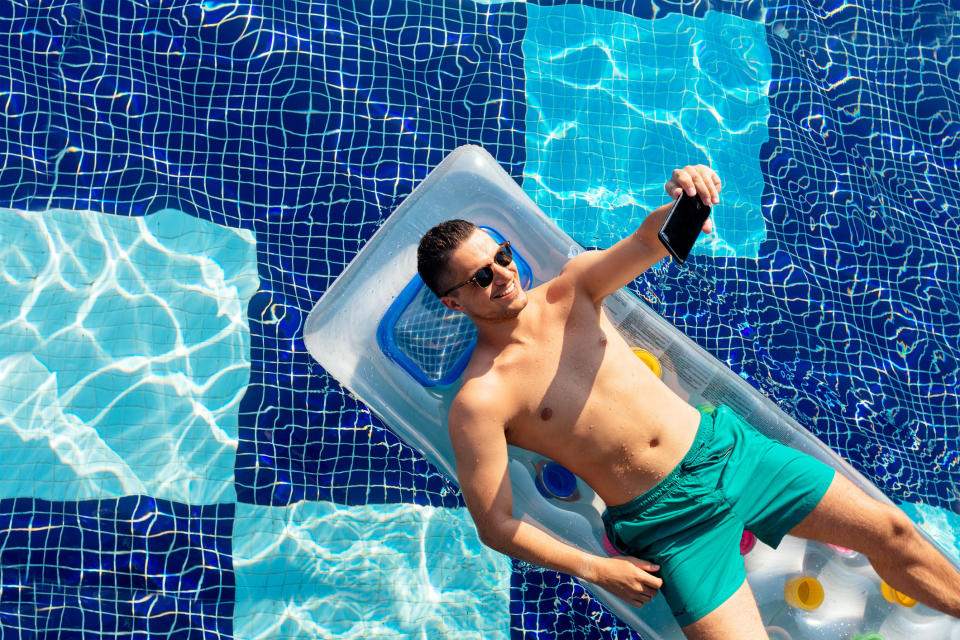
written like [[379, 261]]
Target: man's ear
[[451, 303]]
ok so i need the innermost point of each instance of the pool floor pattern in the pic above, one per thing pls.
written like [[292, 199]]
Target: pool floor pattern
[[306, 123]]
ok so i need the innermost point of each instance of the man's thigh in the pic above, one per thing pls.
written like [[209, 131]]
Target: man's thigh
[[738, 617], [845, 516]]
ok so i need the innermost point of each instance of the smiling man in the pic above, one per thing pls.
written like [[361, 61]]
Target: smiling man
[[551, 374]]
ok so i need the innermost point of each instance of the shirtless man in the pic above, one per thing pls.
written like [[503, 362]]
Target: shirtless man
[[551, 374]]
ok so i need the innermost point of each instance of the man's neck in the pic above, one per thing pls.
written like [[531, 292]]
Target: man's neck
[[499, 333]]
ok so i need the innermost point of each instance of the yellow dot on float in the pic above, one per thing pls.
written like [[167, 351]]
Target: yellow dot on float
[[892, 595], [804, 592], [648, 359]]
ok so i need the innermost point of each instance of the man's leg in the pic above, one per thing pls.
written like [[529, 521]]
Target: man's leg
[[738, 617], [848, 517]]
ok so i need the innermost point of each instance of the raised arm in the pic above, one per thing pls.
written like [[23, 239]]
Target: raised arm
[[480, 448], [602, 272]]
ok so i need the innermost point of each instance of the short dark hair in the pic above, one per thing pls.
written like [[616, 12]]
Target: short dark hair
[[435, 248]]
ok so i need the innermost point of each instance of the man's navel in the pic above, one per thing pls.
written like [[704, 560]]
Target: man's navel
[[546, 414]]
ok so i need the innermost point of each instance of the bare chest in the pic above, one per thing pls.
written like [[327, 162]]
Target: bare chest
[[556, 386]]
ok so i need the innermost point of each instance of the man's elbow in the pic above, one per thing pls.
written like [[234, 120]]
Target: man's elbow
[[490, 539], [496, 534]]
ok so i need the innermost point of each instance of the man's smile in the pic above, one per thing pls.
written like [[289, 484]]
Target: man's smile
[[510, 288]]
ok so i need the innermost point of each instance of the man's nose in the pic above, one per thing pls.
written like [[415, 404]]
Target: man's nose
[[501, 273]]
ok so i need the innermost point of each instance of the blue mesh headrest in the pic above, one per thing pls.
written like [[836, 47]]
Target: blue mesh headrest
[[430, 342]]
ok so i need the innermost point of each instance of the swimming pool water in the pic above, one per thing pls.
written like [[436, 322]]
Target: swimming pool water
[[126, 347], [613, 101], [177, 464]]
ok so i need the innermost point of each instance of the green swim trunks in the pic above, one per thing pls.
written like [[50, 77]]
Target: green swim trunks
[[690, 523]]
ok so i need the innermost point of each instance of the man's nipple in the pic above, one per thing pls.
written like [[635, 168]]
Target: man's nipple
[[546, 414]]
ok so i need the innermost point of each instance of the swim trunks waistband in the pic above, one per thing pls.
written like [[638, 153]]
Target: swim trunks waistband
[[694, 455]]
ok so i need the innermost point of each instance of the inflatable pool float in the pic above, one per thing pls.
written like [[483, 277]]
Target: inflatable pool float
[[386, 338]]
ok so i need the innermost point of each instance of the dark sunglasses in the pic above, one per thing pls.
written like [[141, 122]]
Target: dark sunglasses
[[483, 278]]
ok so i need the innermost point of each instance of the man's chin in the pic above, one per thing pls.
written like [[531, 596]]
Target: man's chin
[[517, 304], [508, 311]]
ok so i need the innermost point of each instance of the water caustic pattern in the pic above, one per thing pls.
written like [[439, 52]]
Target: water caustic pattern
[[315, 569], [125, 347], [614, 101], [306, 123], [846, 313], [832, 285]]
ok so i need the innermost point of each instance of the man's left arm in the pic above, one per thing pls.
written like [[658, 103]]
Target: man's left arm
[[603, 272]]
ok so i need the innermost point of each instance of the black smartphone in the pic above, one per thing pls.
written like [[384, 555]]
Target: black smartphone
[[682, 225]]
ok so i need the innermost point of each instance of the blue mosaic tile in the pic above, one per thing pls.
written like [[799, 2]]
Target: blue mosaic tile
[[125, 566]]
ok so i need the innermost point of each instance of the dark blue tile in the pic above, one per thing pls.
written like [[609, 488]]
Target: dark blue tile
[[105, 567], [550, 605]]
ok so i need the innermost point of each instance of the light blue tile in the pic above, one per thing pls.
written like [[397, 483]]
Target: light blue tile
[[318, 570], [615, 103], [126, 349], [941, 524]]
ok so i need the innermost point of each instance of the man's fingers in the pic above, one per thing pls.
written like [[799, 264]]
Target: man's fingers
[[683, 179], [693, 180], [710, 178], [642, 563], [703, 189], [706, 186], [630, 578], [646, 565], [647, 582], [642, 597]]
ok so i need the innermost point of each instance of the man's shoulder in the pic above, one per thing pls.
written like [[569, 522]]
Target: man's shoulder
[[478, 383], [475, 413], [483, 392]]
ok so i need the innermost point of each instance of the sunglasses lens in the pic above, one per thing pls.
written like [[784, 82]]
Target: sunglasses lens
[[505, 256], [484, 277]]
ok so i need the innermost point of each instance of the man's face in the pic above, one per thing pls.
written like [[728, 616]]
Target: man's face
[[503, 299]]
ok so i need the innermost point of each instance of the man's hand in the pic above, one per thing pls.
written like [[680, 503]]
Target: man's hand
[[628, 578], [699, 180]]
